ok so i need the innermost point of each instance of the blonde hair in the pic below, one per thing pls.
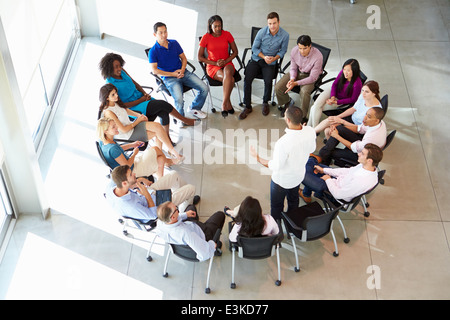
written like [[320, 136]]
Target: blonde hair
[[102, 127]]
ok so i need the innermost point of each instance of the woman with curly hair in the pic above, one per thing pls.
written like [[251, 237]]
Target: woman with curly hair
[[134, 96], [250, 221]]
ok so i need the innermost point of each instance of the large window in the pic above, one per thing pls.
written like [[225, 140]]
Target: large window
[[6, 209], [41, 36]]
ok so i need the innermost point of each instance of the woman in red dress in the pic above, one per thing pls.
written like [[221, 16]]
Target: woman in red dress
[[221, 50]]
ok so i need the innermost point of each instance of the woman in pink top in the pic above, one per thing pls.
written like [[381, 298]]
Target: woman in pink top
[[219, 65], [251, 222], [344, 90]]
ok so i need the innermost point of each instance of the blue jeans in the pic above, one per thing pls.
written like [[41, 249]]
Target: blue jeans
[[277, 196], [175, 87], [312, 181]]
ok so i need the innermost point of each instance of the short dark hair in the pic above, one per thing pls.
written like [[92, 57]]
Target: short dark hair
[[119, 175], [212, 20], [304, 40], [273, 15], [294, 114], [379, 113], [106, 64], [374, 153], [157, 25]]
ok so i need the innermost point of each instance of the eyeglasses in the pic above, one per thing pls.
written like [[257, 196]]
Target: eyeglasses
[[176, 209]]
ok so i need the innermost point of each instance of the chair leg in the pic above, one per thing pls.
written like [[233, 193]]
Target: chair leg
[[336, 252], [346, 239], [365, 205], [233, 260], [239, 93], [165, 274], [211, 105], [278, 282], [207, 289], [149, 257], [297, 267]]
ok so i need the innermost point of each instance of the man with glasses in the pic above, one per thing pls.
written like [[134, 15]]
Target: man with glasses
[[141, 203], [185, 228]]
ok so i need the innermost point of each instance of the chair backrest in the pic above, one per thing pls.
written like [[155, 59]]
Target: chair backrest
[[257, 247], [389, 139], [363, 77], [184, 252], [354, 202], [100, 153], [324, 51], [253, 34], [319, 226], [384, 103]]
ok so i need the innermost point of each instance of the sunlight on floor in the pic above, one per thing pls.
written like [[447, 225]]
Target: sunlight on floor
[[58, 273]]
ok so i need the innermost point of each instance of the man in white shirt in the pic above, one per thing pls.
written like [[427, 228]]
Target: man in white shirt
[[290, 155], [354, 137], [342, 183], [185, 228]]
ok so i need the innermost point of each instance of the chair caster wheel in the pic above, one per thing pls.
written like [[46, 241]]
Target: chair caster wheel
[[274, 103], [366, 214], [213, 110], [149, 258], [296, 269], [346, 240], [207, 290], [125, 232], [233, 286], [165, 275], [278, 283], [335, 254]]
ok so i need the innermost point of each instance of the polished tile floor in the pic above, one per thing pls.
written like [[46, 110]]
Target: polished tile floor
[[79, 252]]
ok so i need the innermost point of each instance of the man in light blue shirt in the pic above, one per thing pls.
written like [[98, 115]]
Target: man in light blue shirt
[[185, 228], [269, 45], [142, 204]]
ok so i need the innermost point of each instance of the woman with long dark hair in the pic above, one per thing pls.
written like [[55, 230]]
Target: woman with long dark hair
[[344, 90], [250, 221]]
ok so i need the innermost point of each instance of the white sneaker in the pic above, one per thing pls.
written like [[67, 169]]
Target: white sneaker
[[196, 113]]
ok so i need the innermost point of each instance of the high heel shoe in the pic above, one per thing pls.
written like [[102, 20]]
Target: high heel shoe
[[224, 113], [231, 111]]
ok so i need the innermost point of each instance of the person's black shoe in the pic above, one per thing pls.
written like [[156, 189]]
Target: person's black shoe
[[196, 200]]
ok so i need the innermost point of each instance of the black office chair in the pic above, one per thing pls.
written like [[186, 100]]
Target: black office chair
[[187, 253], [384, 103], [343, 107], [137, 224], [214, 83], [348, 206], [162, 87], [319, 82], [259, 76], [256, 248], [310, 222]]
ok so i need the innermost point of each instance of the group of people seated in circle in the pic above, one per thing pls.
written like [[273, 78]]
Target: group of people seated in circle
[[132, 192]]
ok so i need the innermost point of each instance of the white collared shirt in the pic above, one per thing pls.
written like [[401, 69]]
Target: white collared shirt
[[290, 155], [376, 135]]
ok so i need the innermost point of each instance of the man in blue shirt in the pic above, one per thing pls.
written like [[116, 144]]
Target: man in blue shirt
[[168, 61], [269, 46]]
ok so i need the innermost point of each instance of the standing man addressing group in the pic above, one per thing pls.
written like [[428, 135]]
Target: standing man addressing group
[[168, 60], [306, 67], [290, 155], [270, 45]]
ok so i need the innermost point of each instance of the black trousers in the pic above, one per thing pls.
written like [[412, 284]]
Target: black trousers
[[159, 108], [210, 226], [329, 151], [253, 69]]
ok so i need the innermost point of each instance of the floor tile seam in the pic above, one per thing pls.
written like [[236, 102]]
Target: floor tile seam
[[412, 110], [370, 252]]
